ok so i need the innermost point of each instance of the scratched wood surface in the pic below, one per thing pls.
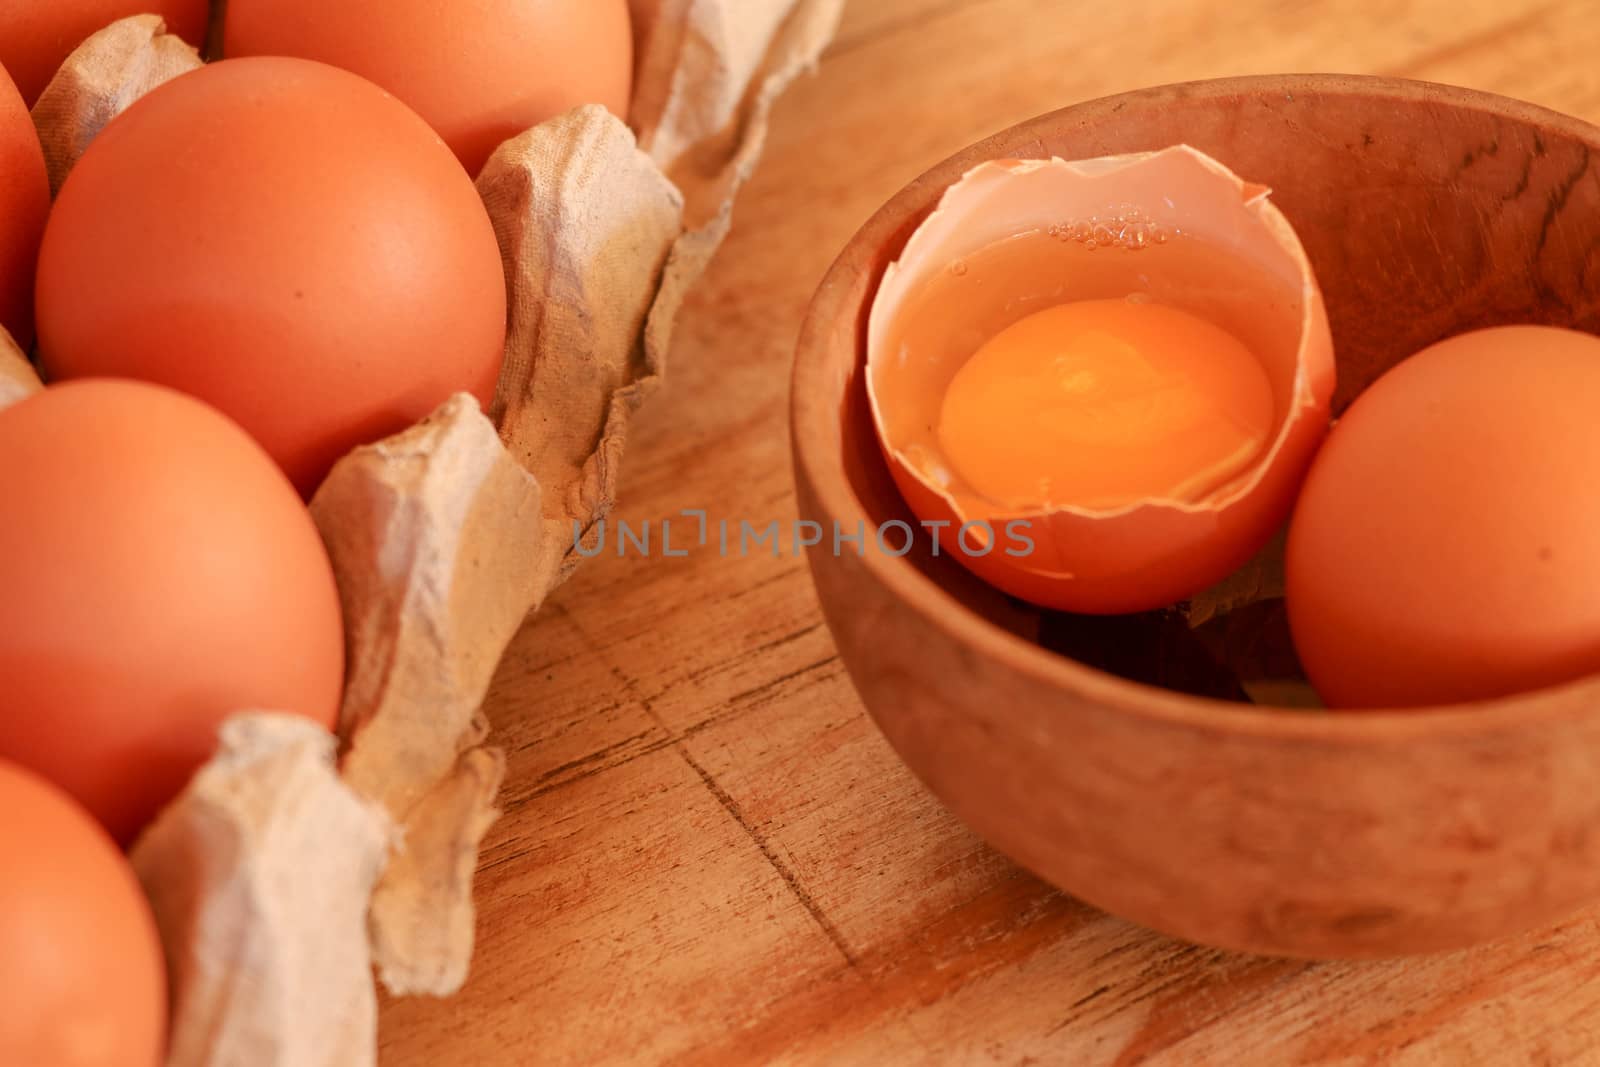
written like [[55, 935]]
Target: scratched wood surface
[[710, 856]]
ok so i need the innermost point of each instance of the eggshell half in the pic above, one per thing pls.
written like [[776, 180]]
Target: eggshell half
[[1157, 552]]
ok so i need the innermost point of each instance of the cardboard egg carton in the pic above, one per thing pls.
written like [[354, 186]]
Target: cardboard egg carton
[[298, 864]]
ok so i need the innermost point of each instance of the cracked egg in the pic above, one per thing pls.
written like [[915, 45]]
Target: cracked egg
[[1099, 384]]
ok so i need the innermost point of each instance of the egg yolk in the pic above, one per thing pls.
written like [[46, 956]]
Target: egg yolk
[[1100, 404]]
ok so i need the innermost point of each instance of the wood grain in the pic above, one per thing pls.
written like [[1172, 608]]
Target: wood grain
[[711, 856]]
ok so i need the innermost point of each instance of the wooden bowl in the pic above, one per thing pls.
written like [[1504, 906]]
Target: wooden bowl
[[1425, 210]]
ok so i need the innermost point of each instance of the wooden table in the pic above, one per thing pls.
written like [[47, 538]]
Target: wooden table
[[709, 854]]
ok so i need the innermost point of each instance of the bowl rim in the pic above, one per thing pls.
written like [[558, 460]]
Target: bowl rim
[[814, 417]]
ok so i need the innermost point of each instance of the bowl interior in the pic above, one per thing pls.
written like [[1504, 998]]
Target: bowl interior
[[1426, 210]]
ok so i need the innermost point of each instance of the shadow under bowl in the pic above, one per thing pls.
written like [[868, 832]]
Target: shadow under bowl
[[1425, 210]]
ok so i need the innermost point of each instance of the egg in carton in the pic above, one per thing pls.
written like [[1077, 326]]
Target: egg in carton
[[297, 862]]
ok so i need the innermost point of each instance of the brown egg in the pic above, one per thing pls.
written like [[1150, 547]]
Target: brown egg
[[79, 957], [160, 575], [1443, 549], [285, 241], [480, 71], [37, 36], [24, 203]]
